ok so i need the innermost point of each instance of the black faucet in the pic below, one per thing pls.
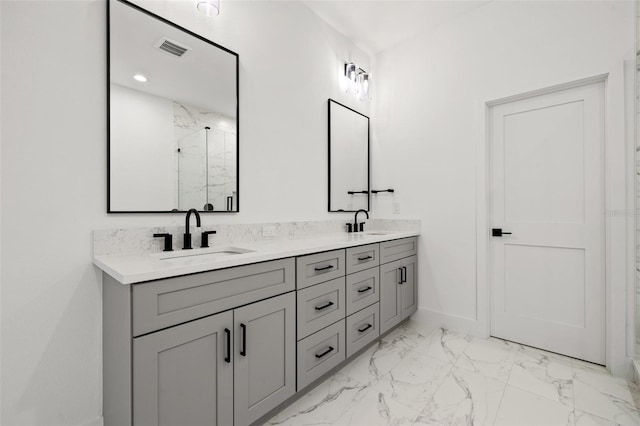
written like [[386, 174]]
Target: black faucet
[[355, 222], [187, 234]]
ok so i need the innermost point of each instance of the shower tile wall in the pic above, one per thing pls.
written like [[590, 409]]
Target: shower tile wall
[[205, 171]]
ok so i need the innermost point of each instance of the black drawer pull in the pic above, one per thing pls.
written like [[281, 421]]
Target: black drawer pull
[[325, 352], [363, 329], [365, 258], [243, 352], [227, 358], [324, 268], [325, 306], [363, 290]]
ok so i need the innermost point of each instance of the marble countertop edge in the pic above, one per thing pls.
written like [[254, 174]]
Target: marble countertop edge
[[140, 267]]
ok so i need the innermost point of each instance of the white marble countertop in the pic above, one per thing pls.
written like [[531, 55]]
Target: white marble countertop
[[139, 267]]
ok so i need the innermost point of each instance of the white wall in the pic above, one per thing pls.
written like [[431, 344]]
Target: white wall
[[429, 118], [142, 151], [54, 173]]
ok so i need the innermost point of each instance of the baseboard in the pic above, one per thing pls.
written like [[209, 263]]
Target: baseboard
[[450, 322]]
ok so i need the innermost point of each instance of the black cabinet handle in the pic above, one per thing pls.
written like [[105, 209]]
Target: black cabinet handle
[[365, 258], [363, 329], [404, 277], [324, 268], [227, 358], [325, 352], [362, 290], [325, 306], [243, 352], [401, 281]]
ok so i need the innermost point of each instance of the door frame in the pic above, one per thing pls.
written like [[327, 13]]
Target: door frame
[[618, 197]]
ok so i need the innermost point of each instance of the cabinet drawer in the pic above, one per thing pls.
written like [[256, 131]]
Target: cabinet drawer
[[319, 353], [316, 268], [319, 306], [363, 289], [163, 303], [362, 328], [398, 249], [362, 257]]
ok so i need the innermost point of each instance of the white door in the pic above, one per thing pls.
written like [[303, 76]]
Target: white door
[[547, 190]]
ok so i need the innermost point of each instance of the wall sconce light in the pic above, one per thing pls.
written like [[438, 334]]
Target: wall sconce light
[[364, 88], [358, 81], [209, 7], [351, 74]]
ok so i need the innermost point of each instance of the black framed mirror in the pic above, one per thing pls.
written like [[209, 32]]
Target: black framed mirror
[[349, 158], [173, 117]]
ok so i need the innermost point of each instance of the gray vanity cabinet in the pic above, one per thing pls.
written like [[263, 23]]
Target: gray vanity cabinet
[[398, 282], [264, 358], [184, 375], [229, 368], [227, 347], [409, 289], [213, 348]]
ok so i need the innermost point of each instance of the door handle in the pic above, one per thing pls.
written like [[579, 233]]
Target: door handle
[[243, 352], [227, 358], [498, 232]]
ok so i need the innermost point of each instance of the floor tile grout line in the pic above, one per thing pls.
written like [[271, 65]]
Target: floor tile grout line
[[504, 390]]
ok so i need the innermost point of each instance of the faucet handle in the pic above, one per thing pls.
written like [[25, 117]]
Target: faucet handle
[[205, 238], [349, 227], [361, 226], [168, 241]]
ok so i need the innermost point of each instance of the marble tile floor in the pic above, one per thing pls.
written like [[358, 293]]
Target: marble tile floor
[[418, 376]]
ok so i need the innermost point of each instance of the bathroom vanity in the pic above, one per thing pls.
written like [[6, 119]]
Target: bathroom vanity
[[228, 339]]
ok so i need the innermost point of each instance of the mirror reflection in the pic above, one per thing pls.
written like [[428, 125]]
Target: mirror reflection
[[348, 159], [173, 117]]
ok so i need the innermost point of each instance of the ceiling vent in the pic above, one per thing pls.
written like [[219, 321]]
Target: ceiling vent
[[172, 47]]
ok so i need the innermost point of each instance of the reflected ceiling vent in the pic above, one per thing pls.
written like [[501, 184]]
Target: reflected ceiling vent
[[172, 47]]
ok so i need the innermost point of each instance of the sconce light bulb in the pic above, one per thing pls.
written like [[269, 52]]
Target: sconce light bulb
[[141, 78]]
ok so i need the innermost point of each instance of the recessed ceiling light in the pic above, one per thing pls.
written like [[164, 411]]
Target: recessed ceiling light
[[141, 78], [209, 7]]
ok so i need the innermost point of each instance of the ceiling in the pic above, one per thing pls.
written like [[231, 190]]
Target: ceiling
[[375, 26], [204, 77]]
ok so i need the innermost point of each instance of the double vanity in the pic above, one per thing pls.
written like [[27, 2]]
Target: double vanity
[[228, 335]]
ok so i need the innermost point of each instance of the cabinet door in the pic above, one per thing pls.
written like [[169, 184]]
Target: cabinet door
[[409, 288], [183, 375], [264, 363], [390, 295]]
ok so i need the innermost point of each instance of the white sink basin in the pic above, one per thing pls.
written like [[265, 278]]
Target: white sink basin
[[378, 233], [189, 257]]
